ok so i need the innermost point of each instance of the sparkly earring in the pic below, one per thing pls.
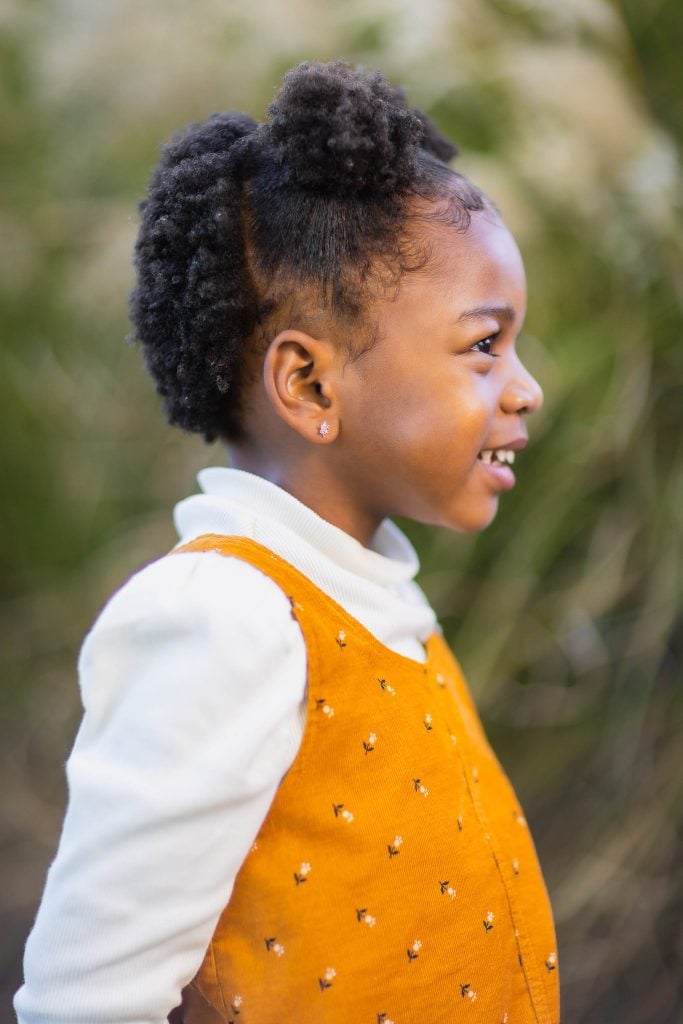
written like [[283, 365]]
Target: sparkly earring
[[324, 428]]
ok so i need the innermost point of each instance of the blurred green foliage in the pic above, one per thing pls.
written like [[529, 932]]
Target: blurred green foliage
[[566, 613]]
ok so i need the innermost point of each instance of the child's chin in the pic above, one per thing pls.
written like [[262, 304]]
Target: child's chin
[[476, 521]]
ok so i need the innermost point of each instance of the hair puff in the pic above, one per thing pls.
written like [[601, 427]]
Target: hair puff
[[340, 132]]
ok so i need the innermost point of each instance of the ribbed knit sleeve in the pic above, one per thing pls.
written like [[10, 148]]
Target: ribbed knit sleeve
[[192, 681]]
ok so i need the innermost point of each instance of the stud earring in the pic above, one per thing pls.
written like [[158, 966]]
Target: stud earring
[[324, 428]]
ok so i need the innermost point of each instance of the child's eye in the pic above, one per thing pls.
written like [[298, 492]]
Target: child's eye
[[485, 345]]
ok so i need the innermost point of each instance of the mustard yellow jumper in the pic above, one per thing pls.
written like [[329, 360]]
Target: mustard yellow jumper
[[394, 880]]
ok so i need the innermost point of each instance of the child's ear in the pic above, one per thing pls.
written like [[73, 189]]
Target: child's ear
[[300, 375]]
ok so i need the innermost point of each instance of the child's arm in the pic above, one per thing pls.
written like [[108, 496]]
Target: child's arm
[[192, 680]]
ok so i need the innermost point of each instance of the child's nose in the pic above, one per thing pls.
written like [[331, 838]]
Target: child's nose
[[523, 393]]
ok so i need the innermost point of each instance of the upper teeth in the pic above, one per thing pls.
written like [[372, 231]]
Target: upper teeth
[[499, 454]]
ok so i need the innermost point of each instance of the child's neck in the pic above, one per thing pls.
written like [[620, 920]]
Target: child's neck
[[315, 485]]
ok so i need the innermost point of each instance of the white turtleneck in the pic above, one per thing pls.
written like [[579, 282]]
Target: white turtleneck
[[193, 683]]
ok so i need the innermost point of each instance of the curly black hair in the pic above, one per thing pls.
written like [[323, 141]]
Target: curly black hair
[[249, 227]]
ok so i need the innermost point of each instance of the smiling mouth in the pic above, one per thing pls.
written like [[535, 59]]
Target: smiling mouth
[[502, 456]]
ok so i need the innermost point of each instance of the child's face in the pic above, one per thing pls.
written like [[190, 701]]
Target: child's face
[[427, 399]]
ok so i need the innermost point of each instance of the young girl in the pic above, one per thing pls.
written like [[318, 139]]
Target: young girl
[[282, 804]]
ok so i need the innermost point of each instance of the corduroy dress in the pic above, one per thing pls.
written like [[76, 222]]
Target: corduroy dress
[[394, 879]]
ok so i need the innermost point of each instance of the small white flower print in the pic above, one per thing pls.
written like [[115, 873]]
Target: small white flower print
[[505, 1019], [459, 823], [447, 889], [420, 787], [369, 743], [254, 846], [393, 848], [520, 819], [273, 946], [383, 1019], [327, 979], [472, 995], [488, 921], [551, 962], [515, 866], [322, 705], [300, 875], [363, 917], [467, 992], [475, 775], [236, 1003], [342, 812], [341, 638], [386, 687], [414, 950], [454, 738], [327, 710], [440, 679], [428, 722]]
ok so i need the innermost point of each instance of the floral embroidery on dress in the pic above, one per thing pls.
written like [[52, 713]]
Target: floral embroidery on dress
[[393, 848], [515, 866], [440, 681], [420, 787], [459, 823], [300, 875], [341, 812], [341, 639], [369, 744], [272, 945], [488, 921], [467, 992], [363, 917], [235, 1005], [427, 722], [322, 705], [414, 950], [327, 979], [386, 687], [447, 889], [551, 962], [519, 818], [382, 1018], [475, 774]]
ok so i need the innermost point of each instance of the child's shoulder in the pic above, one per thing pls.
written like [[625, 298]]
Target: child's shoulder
[[194, 607], [190, 582]]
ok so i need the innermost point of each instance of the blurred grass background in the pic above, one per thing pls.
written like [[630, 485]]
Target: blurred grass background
[[567, 612]]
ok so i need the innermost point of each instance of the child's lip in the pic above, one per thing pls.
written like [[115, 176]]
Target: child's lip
[[516, 445]]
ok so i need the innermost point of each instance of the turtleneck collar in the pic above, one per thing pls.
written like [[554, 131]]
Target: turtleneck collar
[[236, 502]]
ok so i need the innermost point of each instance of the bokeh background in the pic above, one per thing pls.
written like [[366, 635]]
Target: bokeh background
[[566, 613]]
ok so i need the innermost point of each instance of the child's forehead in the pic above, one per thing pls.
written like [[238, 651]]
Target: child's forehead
[[475, 266]]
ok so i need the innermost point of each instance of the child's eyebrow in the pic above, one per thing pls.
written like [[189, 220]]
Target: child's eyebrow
[[506, 314]]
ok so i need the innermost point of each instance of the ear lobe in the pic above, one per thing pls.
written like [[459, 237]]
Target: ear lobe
[[300, 381]]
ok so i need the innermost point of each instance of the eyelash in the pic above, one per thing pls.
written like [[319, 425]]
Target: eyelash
[[486, 341]]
